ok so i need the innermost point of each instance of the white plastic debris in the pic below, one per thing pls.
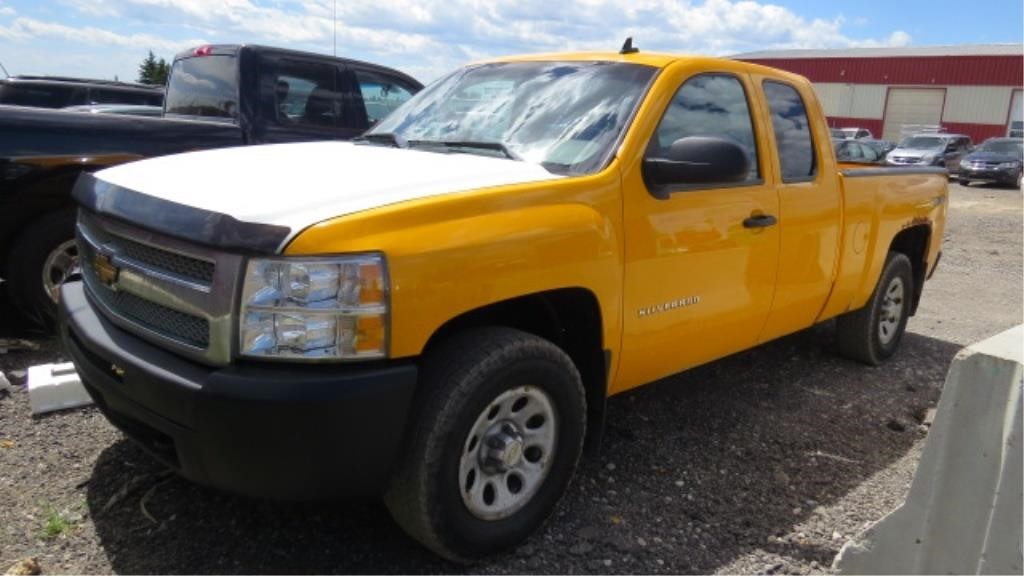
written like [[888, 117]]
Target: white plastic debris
[[55, 387], [5, 384]]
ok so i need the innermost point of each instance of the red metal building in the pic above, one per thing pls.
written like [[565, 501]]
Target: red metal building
[[973, 90]]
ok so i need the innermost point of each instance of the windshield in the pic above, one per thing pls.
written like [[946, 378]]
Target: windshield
[[205, 86], [922, 143], [566, 116], [1007, 147]]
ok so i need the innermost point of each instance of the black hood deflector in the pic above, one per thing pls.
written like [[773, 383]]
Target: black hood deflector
[[188, 223]]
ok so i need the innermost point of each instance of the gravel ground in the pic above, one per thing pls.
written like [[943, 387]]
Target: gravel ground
[[765, 462]]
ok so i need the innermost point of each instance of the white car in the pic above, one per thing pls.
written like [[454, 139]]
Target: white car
[[854, 133]]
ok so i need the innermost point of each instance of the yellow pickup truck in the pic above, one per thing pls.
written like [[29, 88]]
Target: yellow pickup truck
[[438, 312]]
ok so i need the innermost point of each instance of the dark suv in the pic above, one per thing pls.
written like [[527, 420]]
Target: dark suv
[[59, 92]]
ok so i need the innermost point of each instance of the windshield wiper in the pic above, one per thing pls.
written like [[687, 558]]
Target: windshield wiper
[[497, 146], [384, 137]]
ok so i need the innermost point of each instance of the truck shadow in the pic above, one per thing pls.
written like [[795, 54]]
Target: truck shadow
[[695, 471]]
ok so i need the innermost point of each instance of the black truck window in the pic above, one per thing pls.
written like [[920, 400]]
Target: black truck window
[[41, 94], [115, 96], [381, 94], [792, 132], [306, 94], [204, 86]]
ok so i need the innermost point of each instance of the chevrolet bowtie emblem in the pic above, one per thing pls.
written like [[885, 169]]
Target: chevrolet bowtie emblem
[[105, 269]]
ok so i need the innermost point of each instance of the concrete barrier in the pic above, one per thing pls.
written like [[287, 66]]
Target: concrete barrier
[[963, 514]]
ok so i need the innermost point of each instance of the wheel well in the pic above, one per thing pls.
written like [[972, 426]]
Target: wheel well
[[571, 319], [50, 192], [913, 243]]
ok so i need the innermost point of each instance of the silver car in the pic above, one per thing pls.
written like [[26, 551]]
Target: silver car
[[931, 149]]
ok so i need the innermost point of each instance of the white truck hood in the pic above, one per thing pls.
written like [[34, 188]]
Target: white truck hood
[[298, 185]]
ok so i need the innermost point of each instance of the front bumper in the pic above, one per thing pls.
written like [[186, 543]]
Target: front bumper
[[281, 431], [989, 175]]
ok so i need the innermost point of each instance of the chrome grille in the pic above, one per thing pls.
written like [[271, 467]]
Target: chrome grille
[[168, 291], [186, 328], [983, 164], [191, 268]]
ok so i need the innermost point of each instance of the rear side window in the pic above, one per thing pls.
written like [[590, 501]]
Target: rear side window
[[115, 96], [709, 105], [381, 94], [41, 95], [792, 132], [306, 94], [204, 86]]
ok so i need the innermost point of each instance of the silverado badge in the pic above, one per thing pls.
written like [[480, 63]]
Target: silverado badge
[[670, 305], [105, 269]]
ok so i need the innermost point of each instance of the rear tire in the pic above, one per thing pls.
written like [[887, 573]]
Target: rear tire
[[472, 382], [872, 334], [42, 257]]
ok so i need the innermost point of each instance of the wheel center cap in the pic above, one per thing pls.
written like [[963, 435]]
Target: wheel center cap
[[503, 448], [512, 453]]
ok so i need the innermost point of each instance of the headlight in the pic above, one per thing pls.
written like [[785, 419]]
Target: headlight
[[927, 158], [965, 164], [315, 308], [1008, 165]]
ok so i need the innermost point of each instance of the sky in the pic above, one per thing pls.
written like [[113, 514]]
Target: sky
[[428, 38]]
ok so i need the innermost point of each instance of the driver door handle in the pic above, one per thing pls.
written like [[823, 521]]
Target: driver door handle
[[759, 221]]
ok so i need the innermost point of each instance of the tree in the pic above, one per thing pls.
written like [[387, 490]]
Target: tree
[[153, 71]]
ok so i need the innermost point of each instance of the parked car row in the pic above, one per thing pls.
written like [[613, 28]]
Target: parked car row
[[996, 160]]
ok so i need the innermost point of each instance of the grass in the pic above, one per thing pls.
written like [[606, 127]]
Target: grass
[[55, 522]]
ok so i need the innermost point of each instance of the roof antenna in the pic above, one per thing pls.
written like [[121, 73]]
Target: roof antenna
[[4, 69], [627, 47]]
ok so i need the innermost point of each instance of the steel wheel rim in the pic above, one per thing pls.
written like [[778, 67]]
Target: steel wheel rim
[[891, 314], [508, 453], [59, 265]]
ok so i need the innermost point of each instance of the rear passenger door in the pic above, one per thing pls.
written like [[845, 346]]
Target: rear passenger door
[[700, 260], [305, 99], [809, 206]]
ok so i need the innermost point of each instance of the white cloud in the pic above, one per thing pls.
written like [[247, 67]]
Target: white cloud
[[429, 37], [7, 11], [29, 28]]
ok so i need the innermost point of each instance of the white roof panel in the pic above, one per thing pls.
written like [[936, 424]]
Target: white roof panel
[[889, 52]]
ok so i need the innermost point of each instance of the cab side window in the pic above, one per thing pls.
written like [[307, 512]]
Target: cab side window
[[381, 94], [709, 105], [792, 132], [306, 94]]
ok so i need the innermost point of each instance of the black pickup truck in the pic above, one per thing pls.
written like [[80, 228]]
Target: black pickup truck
[[217, 96]]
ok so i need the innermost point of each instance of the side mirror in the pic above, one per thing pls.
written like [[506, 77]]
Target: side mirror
[[695, 160]]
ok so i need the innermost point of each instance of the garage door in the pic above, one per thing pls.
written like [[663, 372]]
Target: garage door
[[909, 110], [1016, 127]]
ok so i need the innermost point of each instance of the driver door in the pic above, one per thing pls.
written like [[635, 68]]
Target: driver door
[[700, 259]]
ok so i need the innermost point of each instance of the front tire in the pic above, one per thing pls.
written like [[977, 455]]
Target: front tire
[[872, 334], [43, 256], [494, 446]]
